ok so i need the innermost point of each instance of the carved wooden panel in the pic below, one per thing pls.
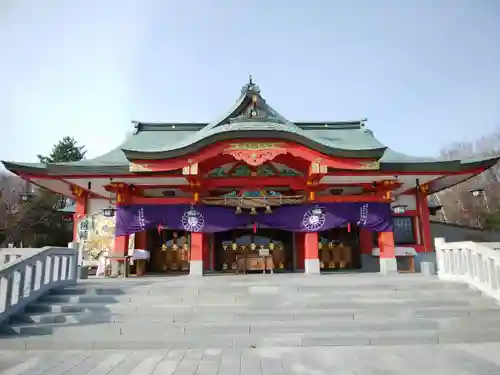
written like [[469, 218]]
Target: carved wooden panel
[[255, 154]]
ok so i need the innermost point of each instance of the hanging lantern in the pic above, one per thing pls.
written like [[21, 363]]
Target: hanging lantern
[[317, 211], [253, 246], [268, 210], [108, 212], [238, 210], [271, 245], [253, 211], [399, 208], [234, 245]]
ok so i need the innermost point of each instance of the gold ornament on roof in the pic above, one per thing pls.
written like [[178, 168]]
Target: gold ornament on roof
[[367, 165], [136, 167]]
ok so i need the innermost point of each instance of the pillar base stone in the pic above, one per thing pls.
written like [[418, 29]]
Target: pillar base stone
[[311, 266], [388, 266], [196, 268]]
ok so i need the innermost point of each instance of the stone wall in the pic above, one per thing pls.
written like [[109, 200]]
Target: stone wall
[[454, 232]]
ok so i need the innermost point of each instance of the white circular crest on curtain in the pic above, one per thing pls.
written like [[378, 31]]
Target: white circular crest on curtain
[[314, 219], [193, 220]]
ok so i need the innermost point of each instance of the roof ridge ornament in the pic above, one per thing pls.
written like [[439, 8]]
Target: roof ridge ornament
[[250, 87]]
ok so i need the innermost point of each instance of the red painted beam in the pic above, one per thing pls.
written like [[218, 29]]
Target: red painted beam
[[90, 193], [325, 199], [160, 201], [295, 183], [349, 198]]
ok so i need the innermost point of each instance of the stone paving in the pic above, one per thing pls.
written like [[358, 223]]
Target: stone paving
[[395, 316], [458, 359]]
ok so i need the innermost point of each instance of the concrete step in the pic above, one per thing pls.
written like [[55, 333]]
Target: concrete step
[[142, 328], [488, 315], [263, 289], [264, 285], [268, 306], [253, 340], [227, 299]]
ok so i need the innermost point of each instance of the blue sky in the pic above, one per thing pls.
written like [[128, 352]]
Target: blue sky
[[425, 73]]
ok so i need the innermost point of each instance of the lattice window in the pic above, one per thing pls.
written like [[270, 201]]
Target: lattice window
[[404, 232]]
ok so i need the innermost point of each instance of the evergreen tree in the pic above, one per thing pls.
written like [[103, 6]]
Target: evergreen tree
[[66, 150], [37, 222]]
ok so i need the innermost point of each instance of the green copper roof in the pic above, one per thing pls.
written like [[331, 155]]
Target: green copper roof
[[251, 117]]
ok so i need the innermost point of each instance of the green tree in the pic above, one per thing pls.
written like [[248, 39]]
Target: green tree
[[37, 222], [66, 150]]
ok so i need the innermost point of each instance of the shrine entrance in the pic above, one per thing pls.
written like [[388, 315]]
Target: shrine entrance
[[338, 249], [242, 250], [169, 251]]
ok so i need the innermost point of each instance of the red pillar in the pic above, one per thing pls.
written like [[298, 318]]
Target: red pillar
[[206, 252], [196, 259], [121, 245], [311, 261], [141, 242], [80, 212], [388, 264], [120, 249], [299, 249], [424, 218], [365, 241]]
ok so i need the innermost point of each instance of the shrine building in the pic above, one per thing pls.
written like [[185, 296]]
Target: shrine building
[[253, 191]]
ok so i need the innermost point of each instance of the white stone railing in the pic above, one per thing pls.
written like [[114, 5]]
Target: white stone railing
[[26, 278], [10, 254], [473, 263]]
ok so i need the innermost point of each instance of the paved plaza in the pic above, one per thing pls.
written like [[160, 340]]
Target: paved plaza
[[257, 324], [458, 359]]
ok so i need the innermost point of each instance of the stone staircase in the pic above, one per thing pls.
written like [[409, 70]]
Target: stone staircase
[[253, 311]]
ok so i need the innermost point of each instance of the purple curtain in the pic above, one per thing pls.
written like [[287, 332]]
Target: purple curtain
[[297, 218]]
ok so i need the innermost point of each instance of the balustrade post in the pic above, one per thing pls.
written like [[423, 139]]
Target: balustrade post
[[17, 284], [474, 266], [468, 262], [64, 267], [446, 261], [56, 268], [28, 281], [438, 243], [497, 274], [73, 267], [490, 267], [6, 291], [5, 283], [48, 270], [484, 279]]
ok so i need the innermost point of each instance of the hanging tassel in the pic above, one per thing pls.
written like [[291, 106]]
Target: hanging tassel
[[255, 227], [159, 228], [348, 227]]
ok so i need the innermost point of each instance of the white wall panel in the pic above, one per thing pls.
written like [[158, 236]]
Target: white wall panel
[[95, 205]]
